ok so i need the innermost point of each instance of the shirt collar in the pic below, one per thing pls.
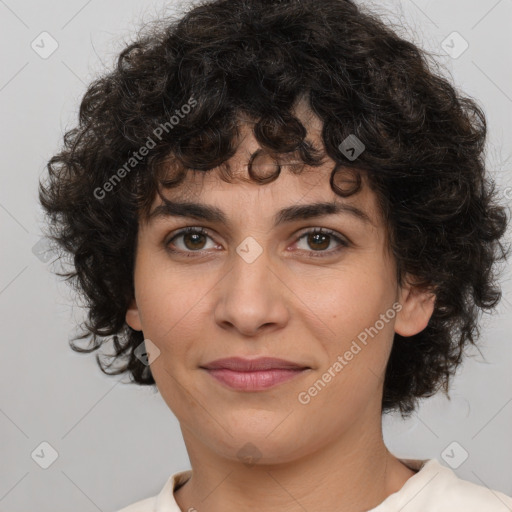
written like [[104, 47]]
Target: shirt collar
[[166, 502]]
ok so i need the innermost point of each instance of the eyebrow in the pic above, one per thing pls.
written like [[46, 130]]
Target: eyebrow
[[289, 214]]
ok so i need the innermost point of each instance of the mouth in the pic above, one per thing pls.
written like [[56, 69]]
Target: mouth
[[253, 374]]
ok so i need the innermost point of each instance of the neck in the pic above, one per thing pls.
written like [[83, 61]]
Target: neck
[[353, 473]]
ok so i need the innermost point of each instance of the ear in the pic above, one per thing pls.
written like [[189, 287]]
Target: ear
[[132, 316], [417, 308]]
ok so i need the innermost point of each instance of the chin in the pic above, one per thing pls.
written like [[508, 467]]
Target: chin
[[253, 448]]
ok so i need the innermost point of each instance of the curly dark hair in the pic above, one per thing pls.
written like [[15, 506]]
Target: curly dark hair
[[226, 59]]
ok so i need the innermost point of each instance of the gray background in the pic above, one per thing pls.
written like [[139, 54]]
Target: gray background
[[118, 443]]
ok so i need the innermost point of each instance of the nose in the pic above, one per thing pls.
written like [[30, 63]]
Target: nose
[[252, 297]]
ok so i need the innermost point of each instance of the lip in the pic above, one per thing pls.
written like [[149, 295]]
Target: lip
[[253, 374], [240, 364]]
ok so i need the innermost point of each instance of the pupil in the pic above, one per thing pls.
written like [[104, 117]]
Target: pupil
[[191, 235], [315, 239], [325, 237]]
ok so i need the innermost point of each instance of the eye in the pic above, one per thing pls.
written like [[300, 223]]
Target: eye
[[192, 237], [320, 239]]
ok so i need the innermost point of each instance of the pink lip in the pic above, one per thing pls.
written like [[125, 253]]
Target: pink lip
[[253, 374], [253, 381]]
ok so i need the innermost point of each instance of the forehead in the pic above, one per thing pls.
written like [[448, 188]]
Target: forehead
[[290, 197], [297, 184]]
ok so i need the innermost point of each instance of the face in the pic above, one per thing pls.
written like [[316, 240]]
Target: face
[[250, 287]]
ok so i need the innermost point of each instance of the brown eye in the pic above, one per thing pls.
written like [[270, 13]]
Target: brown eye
[[196, 240], [320, 239], [193, 240]]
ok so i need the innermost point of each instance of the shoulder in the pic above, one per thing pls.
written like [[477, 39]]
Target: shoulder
[[437, 488], [469, 496], [164, 501]]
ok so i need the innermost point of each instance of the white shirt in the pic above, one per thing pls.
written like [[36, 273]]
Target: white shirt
[[434, 488]]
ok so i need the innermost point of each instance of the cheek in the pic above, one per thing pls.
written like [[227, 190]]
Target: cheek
[[168, 297], [345, 302], [356, 341]]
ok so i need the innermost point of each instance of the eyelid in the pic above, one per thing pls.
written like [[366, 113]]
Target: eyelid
[[326, 231], [205, 231], [200, 230], [342, 240]]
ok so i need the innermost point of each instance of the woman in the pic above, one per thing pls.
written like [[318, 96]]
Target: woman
[[282, 216]]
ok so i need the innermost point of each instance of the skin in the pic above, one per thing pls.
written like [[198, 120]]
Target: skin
[[328, 454]]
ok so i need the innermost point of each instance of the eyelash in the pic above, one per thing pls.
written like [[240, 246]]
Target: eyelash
[[312, 254]]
